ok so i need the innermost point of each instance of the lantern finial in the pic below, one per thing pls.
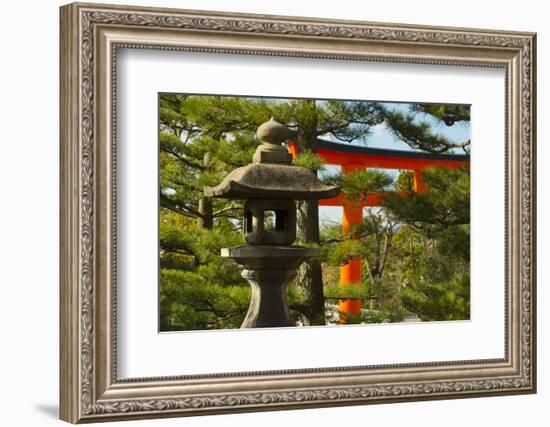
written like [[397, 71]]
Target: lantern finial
[[272, 134]]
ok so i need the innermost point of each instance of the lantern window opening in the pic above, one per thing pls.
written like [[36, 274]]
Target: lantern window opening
[[275, 220], [249, 219]]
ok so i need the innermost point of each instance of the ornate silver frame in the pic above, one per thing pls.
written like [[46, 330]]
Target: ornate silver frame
[[90, 36]]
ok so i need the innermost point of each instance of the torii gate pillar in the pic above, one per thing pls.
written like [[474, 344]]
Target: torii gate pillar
[[350, 272]]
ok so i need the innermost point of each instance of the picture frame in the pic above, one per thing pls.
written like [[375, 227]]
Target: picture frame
[[91, 34]]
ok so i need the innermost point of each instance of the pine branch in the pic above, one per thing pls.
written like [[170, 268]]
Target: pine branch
[[419, 135], [182, 209], [231, 207], [185, 161]]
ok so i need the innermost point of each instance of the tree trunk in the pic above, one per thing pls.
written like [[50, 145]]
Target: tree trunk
[[205, 207], [310, 277], [206, 218]]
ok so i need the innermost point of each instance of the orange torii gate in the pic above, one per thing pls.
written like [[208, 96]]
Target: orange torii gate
[[351, 158]]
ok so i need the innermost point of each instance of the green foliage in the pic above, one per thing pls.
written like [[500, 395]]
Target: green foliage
[[419, 134], [345, 250], [405, 181], [309, 160], [446, 203], [358, 184], [449, 300], [198, 288], [384, 314], [360, 291], [189, 302], [381, 298], [344, 120], [434, 248], [448, 114], [350, 121]]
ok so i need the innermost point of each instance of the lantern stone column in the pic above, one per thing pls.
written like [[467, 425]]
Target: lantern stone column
[[268, 304], [270, 185], [268, 270]]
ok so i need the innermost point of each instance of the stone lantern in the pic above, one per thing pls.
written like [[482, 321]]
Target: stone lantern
[[270, 186]]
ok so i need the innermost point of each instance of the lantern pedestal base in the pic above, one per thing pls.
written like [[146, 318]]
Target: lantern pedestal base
[[269, 269], [268, 306]]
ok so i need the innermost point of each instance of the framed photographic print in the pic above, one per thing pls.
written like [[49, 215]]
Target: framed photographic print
[[267, 212]]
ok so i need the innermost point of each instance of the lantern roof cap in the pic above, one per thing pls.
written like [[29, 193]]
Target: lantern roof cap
[[272, 181]]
